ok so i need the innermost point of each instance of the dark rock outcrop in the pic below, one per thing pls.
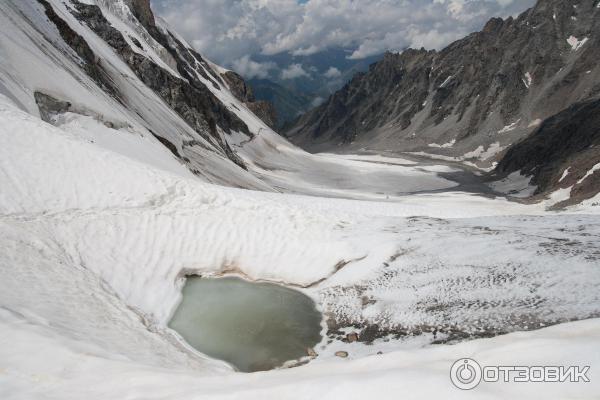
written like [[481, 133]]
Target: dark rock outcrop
[[265, 111], [143, 12], [560, 153], [238, 87], [91, 64], [243, 92]]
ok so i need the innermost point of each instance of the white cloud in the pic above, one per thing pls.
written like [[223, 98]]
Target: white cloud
[[317, 101], [293, 71], [248, 68], [227, 30], [332, 73]]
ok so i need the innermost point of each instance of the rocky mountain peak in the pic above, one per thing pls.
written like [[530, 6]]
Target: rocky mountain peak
[[239, 88], [493, 25]]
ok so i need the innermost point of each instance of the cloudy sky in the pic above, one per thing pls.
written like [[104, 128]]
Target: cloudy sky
[[231, 32]]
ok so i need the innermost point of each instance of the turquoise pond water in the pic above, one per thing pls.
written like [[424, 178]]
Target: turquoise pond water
[[254, 326]]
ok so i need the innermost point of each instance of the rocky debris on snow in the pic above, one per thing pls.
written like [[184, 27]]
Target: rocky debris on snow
[[409, 282], [50, 106], [352, 337]]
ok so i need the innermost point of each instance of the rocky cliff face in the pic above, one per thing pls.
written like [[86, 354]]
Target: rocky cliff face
[[472, 100], [190, 85], [243, 92], [143, 12], [190, 97], [563, 153]]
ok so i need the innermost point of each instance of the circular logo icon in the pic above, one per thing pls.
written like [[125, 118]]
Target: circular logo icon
[[465, 374]]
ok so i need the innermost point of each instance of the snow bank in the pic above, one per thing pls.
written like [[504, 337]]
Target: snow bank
[[101, 202], [43, 365]]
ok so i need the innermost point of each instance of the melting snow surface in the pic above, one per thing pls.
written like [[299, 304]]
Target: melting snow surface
[[112, 235], [482, 154]]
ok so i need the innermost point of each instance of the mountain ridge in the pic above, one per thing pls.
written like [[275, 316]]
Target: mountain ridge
[[447, 83]]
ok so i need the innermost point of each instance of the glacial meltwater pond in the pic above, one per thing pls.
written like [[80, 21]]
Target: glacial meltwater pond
[[254, 326]]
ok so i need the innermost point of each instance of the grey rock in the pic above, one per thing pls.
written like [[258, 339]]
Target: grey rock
[[352, 337], [50, 106], [143, 12], [243, 92]]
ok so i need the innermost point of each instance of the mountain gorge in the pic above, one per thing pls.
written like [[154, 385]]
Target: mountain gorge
[[476, 98], [296, 83]]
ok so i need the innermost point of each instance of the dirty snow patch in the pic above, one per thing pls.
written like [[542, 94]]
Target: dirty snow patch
[[575, 43], [590, 172], [510, 127], [446, 81], [482, 154], [565, 174], [528, 80], [443, 146], [559, 196]]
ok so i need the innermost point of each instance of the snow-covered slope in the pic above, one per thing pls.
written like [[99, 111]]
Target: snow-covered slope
[[95, 244]]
